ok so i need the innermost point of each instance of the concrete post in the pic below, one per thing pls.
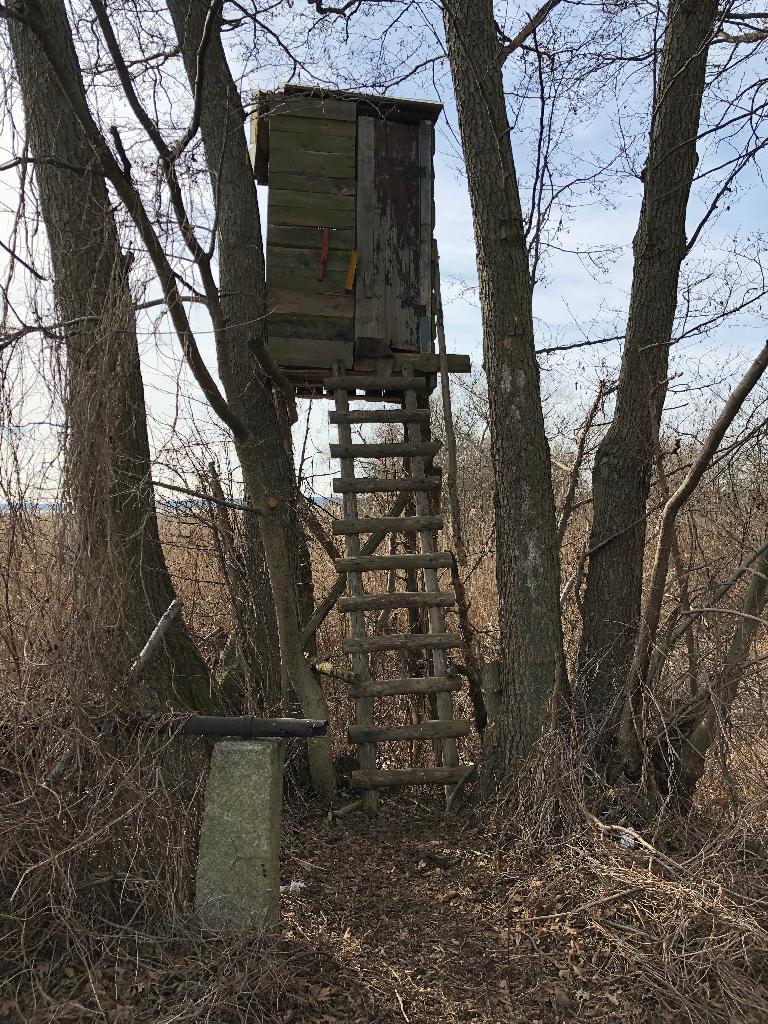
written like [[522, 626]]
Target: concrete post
[[238, 868]]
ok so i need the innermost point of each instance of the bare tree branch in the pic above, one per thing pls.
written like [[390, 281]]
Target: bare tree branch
[[527, 31], [652, 606]]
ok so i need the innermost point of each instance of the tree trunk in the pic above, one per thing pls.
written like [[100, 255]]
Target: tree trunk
[[264, 644], [527, 568], [622, 472], [266, 464], [120, 576]]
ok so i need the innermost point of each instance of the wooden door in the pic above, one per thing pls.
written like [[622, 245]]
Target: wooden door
[[393, 295]]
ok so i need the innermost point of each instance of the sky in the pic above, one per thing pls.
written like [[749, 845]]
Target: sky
[[575, 298]]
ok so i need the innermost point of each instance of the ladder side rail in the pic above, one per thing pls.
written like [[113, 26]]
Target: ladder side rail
[[360, 661], [444, 700]]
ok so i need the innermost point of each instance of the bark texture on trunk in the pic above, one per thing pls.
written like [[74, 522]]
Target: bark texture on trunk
[[622, 472], [265, 460], [527, 568], [120, 573], [264, 644]]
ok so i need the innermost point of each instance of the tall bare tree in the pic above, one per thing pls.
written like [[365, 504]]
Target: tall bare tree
[[246, 403], [120, 569], [527, 567], [621, 476], [242, 342]]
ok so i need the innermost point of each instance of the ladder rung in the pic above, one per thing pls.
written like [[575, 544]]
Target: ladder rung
[[398, 599], [372, 484], [388, 524], [408, 777], [371, 563], [407, 685], [401, 642], [431, 730], [379, 416], [399, 449], [354, 382]]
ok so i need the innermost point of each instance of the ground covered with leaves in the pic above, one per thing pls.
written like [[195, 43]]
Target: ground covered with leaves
[[417, 917]]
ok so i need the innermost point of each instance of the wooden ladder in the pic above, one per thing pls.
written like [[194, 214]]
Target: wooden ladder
[[444, 730]]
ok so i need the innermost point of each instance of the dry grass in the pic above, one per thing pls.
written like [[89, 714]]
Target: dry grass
[[412, 916], [544, 907]]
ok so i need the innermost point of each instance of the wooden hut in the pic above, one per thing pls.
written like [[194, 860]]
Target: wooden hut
[[350, 222], [351, 315]]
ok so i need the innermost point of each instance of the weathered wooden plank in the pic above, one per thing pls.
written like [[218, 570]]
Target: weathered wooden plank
[[312, 201], [402, 642], [295, 352], [302, 236], [259, 141], [392, 107], [319, 128], [312, 106], [422, 363], [428, 730], [304, 280], [376, 485], [369, 284], [309, 327], [374, 563], [372, 348], [334, 165], [353, 382], [387, 524], [408, 777], [424, 319], [310, 385], [397, 188], [397, 450], [324, 184], [397, 599], [307, 261], [283, 301], [407, 685], [310, 209], [303, 216], [388, 296], [378, 416], [430, 362]]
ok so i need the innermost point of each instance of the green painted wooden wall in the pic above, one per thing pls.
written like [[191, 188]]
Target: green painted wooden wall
[[336, 164]]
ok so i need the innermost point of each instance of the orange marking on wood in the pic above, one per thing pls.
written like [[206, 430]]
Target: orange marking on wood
[[351, 271]]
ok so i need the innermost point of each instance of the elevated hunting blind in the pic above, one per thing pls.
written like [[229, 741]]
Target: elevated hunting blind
[[352, 314], [350, 224]]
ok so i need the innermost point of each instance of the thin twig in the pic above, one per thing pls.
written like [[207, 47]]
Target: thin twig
[[156, 636]]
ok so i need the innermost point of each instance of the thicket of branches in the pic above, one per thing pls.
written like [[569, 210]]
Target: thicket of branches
[[616, 584]]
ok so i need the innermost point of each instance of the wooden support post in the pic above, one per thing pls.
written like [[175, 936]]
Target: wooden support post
[[450, 436]]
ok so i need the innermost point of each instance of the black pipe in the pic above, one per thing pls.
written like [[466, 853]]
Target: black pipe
[[247, 727]]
